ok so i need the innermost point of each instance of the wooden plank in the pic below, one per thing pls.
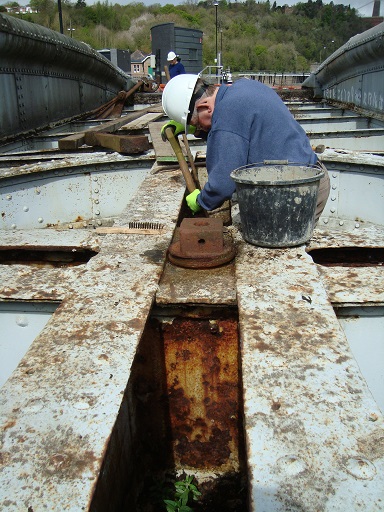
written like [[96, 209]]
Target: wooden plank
[[129, 231], [163, 150], [123, 143], [72, 141], [112, 126], [143, 121]]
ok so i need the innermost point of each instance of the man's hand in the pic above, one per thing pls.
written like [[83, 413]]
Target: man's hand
[[192, 201], [177, 128]]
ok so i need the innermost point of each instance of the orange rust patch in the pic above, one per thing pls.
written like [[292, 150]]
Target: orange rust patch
[[202, 374]]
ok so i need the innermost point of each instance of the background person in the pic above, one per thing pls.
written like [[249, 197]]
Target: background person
[[244, 123], [175, 67]]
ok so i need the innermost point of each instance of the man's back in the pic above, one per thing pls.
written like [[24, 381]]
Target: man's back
[[176, 69]]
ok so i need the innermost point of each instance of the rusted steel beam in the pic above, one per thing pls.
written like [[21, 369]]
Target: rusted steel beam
[[202, 378], [114, 107], [123, 143]]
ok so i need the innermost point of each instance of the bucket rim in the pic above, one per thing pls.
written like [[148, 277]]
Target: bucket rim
[[235, 174]]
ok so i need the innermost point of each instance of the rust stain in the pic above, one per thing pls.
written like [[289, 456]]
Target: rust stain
[[263, 347], [67, 455], [70, 463], [154, 255], [135, 323], [202, 374], [373, 445], [9, 424], [5, 457]]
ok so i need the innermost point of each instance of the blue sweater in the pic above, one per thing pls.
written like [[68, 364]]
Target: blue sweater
[[176, 69], [250, 124]]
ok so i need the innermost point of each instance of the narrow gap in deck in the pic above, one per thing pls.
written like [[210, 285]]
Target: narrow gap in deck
[[52, 256], [348, 256], [182, 414]]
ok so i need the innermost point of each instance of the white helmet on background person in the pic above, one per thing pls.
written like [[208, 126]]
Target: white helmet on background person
[[177, 97], [171, 56]]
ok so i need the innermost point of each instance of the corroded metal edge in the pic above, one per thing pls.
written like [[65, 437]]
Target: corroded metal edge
[[60, 404], [311, 442]]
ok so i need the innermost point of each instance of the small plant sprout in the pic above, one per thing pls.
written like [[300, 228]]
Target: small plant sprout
[[185, 490]]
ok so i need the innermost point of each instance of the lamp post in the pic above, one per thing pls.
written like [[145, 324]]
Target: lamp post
[[216, 4], [60, 16], [321, 51], [324, 48], [221, 47], [70, 28]]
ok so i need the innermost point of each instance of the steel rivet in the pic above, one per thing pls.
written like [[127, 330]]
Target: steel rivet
[[99, 223], [333, 198], [26, 209], [40, 220], [341, 222], [97, 212], [22, 321], [81, 406], [334, 187], [373, 416], [13, 226], [334, 175], [96, 201], [38, 191], [357, 225], [70, 226], [325, 221], [96, 190], [360, 468], [291, 464], [9, 197], [333, 210]]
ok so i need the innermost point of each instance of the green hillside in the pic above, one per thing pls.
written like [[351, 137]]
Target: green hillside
[[253, 36]]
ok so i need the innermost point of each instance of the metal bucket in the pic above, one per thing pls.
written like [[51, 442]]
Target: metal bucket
[[277, 202]]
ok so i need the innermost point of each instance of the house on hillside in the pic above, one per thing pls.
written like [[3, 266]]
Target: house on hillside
[[19, 9], [140, 64]]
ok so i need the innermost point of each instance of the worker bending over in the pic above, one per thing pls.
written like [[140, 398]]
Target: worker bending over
[[245, 123]]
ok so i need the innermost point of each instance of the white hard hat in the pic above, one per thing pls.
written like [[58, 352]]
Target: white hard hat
[[177, 96], [171, 56]]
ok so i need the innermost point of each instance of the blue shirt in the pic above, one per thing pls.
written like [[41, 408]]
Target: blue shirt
[[176, 69], [250, 124]]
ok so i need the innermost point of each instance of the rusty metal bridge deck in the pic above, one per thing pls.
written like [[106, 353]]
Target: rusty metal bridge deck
[[309, 415]]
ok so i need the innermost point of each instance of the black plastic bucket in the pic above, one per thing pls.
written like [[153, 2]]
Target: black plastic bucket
[[277, 202]]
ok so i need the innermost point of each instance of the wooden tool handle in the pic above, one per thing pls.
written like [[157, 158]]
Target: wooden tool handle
[[180, 158]]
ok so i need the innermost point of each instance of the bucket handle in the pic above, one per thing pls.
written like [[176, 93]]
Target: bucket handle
[[275, 162]]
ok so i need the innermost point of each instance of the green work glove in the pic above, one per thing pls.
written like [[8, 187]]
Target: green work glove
[[177, 128], [192, 201]]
